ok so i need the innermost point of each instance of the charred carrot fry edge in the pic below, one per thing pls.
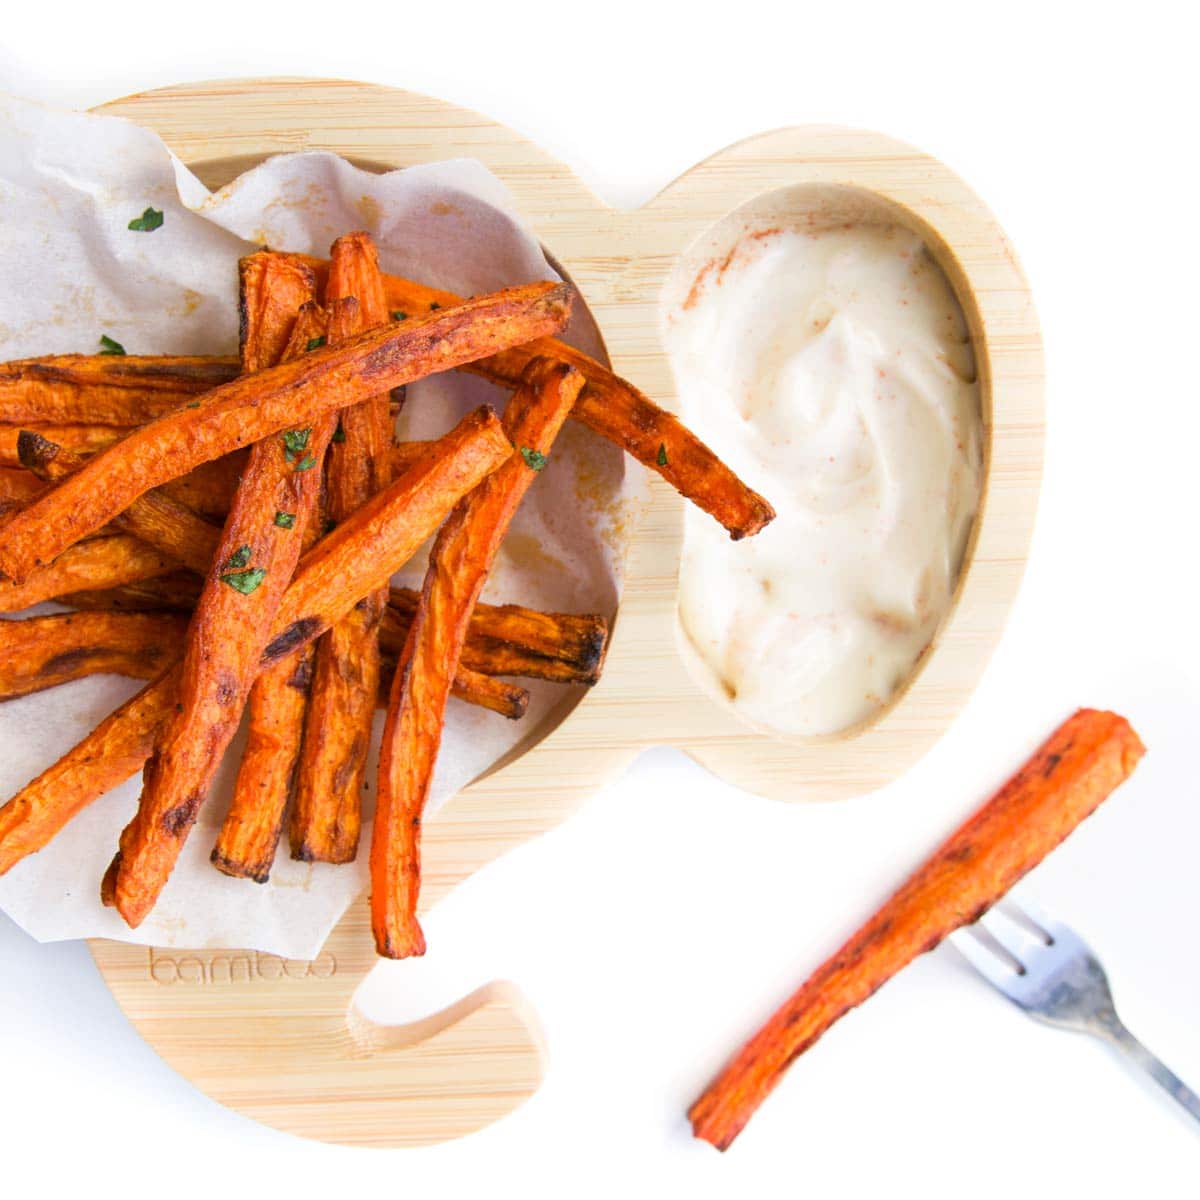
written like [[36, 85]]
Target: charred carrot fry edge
[[1070, 775]]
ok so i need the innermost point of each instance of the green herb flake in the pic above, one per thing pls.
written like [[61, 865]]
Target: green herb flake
[[148, 222], [194, 404], [245, 581], [295, 442], [434, 306], [535, 460], [306, 462], [110, 346], [339, 434], [397, 315], [662, 454], [285, 520], [240, 557], [315, 343]]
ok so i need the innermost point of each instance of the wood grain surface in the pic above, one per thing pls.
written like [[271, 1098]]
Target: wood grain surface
[[283, 1042]]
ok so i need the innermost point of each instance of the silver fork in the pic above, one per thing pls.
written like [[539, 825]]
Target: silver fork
[[1050, 972]]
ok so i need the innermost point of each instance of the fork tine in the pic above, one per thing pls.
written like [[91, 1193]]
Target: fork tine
[[1033, 914], [1014, 937], [983, 958]]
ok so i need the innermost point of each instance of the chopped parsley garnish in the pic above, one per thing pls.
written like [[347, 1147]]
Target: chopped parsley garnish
[[240, 557], [110, 346], [306, 462], [194, 404], [535, 460], [245, 581], [148, 222], [285, 520], [662, 454], [295, 442], [315, 343], [434, 306], [339, 434], [397, 315]]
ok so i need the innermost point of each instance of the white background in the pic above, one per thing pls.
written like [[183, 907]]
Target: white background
[[655, 929]]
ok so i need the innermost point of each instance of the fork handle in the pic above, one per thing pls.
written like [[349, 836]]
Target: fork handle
[[1157, 1070]]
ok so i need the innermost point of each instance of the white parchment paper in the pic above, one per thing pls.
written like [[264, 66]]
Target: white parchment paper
[[71, 270]]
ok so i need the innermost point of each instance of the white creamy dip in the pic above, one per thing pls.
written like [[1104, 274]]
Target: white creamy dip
[[830, 366]]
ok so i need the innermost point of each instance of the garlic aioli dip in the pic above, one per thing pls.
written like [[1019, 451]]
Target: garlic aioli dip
[[829, 363]]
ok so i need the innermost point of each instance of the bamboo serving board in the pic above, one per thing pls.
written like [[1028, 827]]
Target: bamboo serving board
[[282, 1041]]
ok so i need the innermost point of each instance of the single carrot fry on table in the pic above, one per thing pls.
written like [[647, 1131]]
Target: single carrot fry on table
[[1070, 775]]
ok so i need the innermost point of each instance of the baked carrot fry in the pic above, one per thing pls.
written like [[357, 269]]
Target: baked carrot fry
[[245, 845], [208, 489], [116, 749], [402, 517], [616, 410], [99, 562], [326, 812], [17, 488], [121, 390], [79, 439], [250, 572], [578, 640], [472, 687], [458, 567], [284, 397], [176, 591], [1077, 768], [490, 656], [360, 555], [278, 701], [161, 522], [42, 652]]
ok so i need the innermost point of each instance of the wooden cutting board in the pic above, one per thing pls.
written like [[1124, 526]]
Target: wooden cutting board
[[282, 1041]]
